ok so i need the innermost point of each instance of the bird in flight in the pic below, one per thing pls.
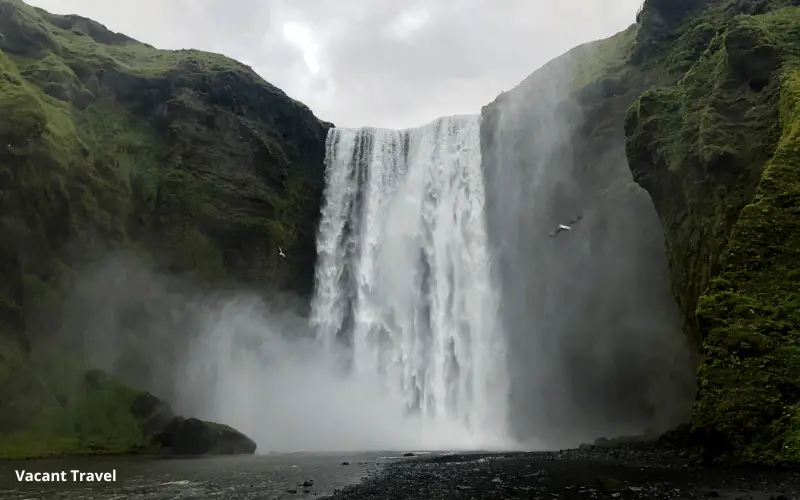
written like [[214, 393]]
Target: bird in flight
[[280, 252], [566, 227]]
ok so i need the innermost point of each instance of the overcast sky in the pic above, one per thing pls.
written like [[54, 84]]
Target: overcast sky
[[386, 63]]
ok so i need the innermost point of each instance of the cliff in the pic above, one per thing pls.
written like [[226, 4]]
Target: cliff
[[717, 150], [594, 335], [699, 101], [185, 158]]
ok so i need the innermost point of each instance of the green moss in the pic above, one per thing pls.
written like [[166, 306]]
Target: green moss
[[751, 386], [192, 250], [140, 156], [48, 409], [594, 60], [95, 422], [22, 394], [699, 140], [41, 294]]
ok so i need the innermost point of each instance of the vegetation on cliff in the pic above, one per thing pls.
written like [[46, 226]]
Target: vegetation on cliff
[[106, 143], [717, 148], [49, 409]]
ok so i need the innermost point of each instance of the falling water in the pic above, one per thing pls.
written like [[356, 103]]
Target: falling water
[[403, 276]]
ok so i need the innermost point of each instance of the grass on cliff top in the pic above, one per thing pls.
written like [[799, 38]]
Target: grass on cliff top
[[73, 37], [594, 60], [49, 410], [89, 44]]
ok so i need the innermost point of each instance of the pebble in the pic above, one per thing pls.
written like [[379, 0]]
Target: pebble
[[589, 472]]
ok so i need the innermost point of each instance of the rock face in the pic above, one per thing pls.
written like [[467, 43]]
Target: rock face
[[190, 436], [107, 145], [595, 336], [187, 436], [717, 146], [701, 96], [188, 156]]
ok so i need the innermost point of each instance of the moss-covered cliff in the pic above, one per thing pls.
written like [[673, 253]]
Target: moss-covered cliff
[[187, 158], [190, 155], [717, 149], [702, 97]]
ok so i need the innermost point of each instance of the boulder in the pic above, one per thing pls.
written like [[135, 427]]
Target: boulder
[[153, 413], [191, 436]]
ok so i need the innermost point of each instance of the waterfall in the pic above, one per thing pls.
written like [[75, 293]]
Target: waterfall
[[403, 280]]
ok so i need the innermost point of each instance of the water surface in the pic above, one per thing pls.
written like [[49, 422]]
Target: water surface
[[274, 476]]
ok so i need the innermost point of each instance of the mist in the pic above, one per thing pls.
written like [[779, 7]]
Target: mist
[[237, 357], [596, 347]]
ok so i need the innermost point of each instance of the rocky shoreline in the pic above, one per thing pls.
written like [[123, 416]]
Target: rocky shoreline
[[630, 472]]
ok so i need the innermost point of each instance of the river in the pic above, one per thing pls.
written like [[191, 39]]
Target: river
[[273, 476]]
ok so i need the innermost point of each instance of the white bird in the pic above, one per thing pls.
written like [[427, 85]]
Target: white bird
[[565, 227], [280, 252]]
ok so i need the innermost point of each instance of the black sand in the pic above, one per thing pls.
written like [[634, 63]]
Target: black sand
[[590, 472]]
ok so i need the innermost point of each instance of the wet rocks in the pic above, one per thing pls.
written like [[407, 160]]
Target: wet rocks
[[630, 473], [611, 485], [153, 413], [191, 436]]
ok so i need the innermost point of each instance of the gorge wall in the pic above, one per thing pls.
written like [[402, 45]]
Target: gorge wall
[[700, 98], [595, 344], [716, 146], [188, 160]]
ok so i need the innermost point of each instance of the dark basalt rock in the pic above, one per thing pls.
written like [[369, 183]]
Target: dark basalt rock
[[187, 436], [154, 413], [191, 436]]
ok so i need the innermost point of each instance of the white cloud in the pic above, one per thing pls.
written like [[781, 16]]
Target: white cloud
[[409, 21], [372, 62], [301, 36]]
